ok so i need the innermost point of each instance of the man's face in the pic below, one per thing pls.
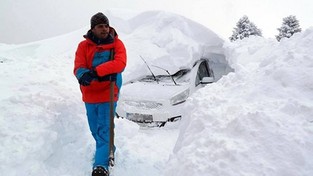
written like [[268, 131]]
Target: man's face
[[101, 31]]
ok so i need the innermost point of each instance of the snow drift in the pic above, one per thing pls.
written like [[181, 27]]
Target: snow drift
[[255, 121]]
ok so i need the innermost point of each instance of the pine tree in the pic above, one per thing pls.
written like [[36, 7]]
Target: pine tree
[[289, 27], [244, 28]]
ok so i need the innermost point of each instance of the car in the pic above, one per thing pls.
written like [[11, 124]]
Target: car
[[153, 100]]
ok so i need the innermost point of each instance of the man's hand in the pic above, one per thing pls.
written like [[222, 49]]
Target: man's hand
[[87, 77]]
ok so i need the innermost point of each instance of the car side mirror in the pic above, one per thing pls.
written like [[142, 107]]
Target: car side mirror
[[207, 80]]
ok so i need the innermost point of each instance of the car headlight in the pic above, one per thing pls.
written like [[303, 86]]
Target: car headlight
[[180, 98]]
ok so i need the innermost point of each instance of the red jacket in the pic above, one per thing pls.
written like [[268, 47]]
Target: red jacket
[[99, 92]]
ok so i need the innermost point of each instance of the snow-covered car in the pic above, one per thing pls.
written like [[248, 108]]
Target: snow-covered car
[[156, 99]]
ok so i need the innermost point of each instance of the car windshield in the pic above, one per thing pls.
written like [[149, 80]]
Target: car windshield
[[181, 76]]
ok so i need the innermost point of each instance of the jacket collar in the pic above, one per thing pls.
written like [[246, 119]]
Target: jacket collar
[[98, 41]]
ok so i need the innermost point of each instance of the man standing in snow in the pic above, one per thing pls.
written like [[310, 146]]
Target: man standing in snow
[[99, 60]]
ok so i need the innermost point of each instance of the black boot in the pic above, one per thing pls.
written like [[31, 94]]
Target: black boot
[[100, 171]]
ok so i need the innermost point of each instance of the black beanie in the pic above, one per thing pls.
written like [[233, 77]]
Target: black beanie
[[98, 18]]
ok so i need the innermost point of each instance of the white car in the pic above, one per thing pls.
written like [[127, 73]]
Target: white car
[[156, 100]]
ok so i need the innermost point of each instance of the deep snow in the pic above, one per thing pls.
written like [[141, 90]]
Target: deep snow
[[254, 121]]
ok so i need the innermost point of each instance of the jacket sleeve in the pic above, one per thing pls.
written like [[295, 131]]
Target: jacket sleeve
[[80, 63], [118, 64]]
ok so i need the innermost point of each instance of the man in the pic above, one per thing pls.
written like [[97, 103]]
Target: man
[[100, 59]]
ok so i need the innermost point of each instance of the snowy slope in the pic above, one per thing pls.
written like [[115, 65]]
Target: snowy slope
[[255, 121]]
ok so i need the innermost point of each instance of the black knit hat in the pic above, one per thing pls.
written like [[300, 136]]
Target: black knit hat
[[98, 18]]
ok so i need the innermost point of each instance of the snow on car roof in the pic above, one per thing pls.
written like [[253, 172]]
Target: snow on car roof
[[175, 41]]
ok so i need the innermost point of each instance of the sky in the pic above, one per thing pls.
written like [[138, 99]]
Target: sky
[[24, 21], [256, 120], [221, 16]]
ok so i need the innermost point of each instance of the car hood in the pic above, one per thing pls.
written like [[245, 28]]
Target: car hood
[[150, 91]]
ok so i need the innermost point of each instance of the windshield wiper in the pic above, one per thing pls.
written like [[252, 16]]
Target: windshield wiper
[[166, 72], [149, 69]]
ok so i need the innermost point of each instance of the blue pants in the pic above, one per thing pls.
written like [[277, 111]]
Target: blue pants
[[99, 123]]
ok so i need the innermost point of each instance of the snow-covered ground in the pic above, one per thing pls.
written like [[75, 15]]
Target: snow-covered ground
[[255, 121]]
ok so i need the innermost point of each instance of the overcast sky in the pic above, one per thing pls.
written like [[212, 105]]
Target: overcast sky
[[222, 16], [23, 21]]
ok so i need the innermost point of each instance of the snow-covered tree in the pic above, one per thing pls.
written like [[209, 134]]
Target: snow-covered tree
[[289, 27], [244, 28]]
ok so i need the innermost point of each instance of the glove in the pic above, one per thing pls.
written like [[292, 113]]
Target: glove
[[87, 77], [111, 77]]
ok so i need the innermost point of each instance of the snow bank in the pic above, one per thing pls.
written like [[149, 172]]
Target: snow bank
[[43, 126], [255, 121]]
